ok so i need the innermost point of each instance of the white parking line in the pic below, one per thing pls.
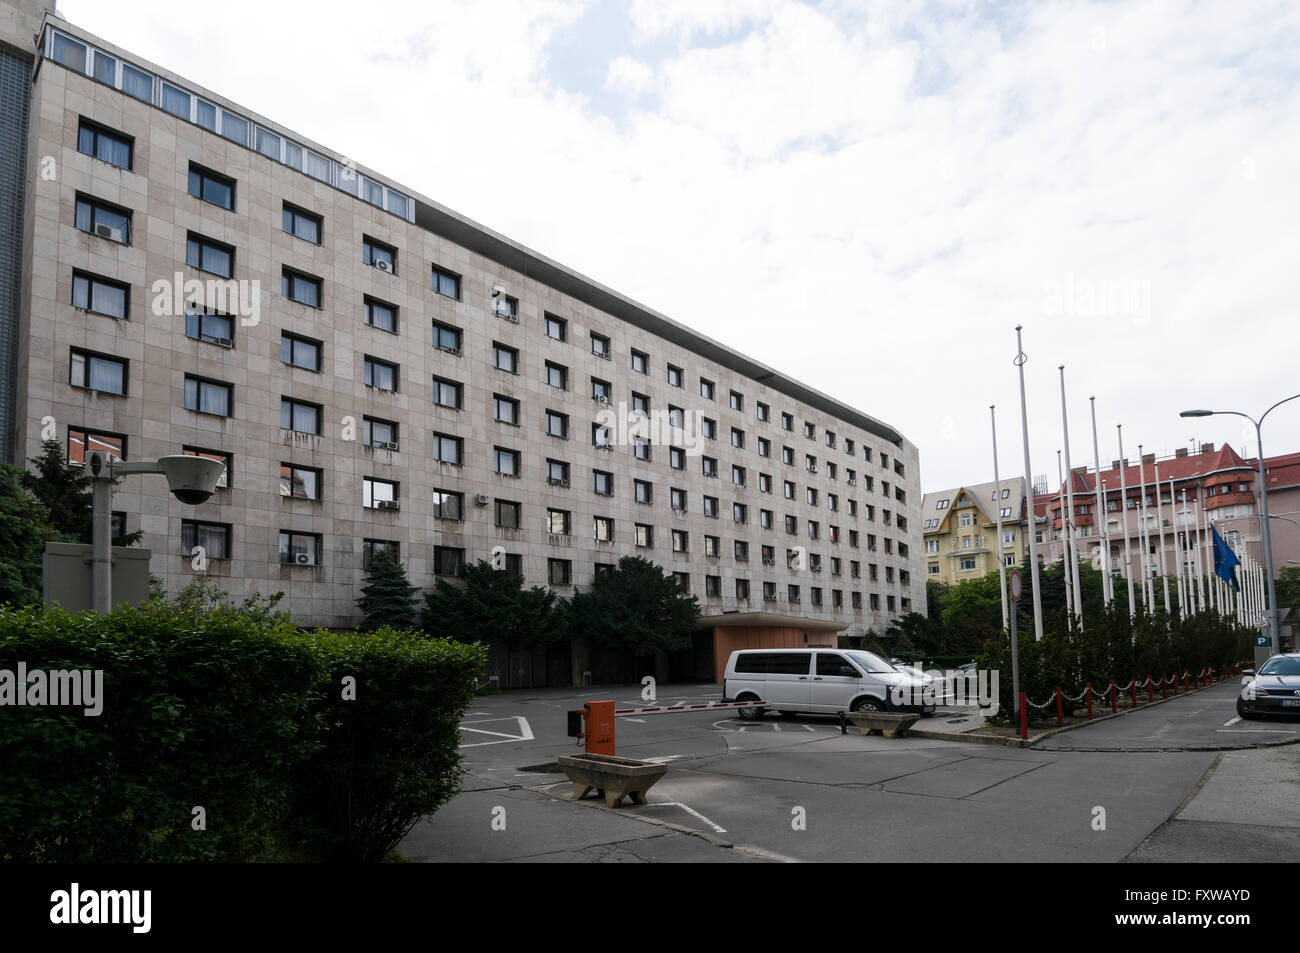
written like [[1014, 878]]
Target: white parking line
[[524, 731], [1228, 724], [1255, 731], [639, 721], [691, 811]]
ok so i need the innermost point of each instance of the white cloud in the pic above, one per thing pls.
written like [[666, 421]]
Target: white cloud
[[869, 203]]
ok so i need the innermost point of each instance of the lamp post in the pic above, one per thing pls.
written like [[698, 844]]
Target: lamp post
[[191, 480], [1263, 507]]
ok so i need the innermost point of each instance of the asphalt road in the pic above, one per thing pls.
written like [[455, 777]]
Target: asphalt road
[[796, 789]]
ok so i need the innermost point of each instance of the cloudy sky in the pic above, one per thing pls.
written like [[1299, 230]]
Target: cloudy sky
[[867, 196]]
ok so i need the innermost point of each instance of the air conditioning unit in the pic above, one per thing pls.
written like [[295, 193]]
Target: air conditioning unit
[[390, 445], [769, 561], [383, 265], [769, 598], [512, 318], [481, 499], [600, 398], [387, 504], [605, 446], [794, 599], [303, 559], [557, 481], [108, 231], [812, 468], [816, 568], [224, 342]]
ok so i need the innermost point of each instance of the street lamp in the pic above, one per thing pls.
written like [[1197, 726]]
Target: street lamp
[[191, 479], [1263, 505]]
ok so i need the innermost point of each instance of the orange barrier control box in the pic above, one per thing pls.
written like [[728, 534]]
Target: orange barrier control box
[[600, 727]]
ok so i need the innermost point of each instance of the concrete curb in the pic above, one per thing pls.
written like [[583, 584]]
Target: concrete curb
[[1032, 740]]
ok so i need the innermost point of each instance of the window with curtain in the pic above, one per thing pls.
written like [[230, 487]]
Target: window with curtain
[[137, 83]]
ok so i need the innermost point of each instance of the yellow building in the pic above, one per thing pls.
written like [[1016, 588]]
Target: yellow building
[[960, 531]]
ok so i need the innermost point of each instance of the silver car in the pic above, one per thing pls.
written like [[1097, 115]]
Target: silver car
[[1273, 690]]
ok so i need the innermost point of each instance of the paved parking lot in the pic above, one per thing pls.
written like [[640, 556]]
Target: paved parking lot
[[796, 789]]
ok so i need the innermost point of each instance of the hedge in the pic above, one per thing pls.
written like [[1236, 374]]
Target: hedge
[[239, 716]]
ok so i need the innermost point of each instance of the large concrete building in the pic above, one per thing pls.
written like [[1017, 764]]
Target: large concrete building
[[375, 370]]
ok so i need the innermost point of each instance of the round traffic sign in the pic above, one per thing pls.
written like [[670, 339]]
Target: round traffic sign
[[1016, 586]]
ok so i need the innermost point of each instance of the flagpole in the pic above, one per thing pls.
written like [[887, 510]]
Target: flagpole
[[1178, 551], [1020, 360], [1065, 556], [1123, 511], [997, 505], [1107, 583], [1209, 559], [1148, 597], [1069, 502], [1160, 526]]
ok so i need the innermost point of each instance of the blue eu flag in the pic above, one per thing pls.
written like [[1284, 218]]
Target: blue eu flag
[[1225, 561]]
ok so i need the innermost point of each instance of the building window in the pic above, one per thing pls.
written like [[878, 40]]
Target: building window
[[213, 327], [300, 416], [448, 505], [683, 580], [446, 283], [557, 375], [792, 594], [603, 529], [556, 328], [559, 522], [640, 361], [737, 475], [814, 529], [765, 519], [370, 548], [681, 541], [213, 537], [712, 546], [508, 514], [709, 466], [707, 389], [602, 483], [641, 448], [302, 224], [600, 390], [792, 525], [300, 483], [104, 220], [640, 403], [643, 491], [787, 456], [559, 572], [98, 372], [212, 187], [83, 443], [505, 358], [379, 433], [448, 449], [600, 437], [302, 549], [809, 430], [447, 393], [210, 256], [812, 496], [111, 147], [557, 473], [713, 586], [504, 306], [378, 255], [740, 512], [740, 549], [225, 459], [764, 447], [711, 506], [447, 560], [557, 424], [100, 295], [645, 535], [380, 374], [677, 458], [765, 483], [207, 396], [788, 489], [738, 438], [675, 376], [709, 428], [506, 462], [600, 345], [381, 315], [304, 289], [968, 564], [677, 499]]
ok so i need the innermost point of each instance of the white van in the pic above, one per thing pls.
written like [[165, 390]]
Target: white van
[[823, 681]]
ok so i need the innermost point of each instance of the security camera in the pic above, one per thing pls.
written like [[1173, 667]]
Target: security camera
[[497, 291], [191, 479]]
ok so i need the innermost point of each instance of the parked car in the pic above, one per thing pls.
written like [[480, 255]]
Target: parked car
[[1273, 690], [823, 681]]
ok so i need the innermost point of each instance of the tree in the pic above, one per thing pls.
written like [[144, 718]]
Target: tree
[[492, 605], [635, 607], [387, 598], [64, 491], [24, 532]]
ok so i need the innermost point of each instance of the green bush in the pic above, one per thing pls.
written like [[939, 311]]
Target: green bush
[[234, 712], [388, 755]]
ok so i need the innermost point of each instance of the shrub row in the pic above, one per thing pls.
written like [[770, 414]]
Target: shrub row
[[243, 717]]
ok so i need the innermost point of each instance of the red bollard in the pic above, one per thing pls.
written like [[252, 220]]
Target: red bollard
[[1024, 718], [1150, 691], [1060, 715], [1135, 691], [1087, 693], [1114, 702]]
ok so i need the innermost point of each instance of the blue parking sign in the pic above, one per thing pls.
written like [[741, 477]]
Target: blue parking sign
[[1261, 640]]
